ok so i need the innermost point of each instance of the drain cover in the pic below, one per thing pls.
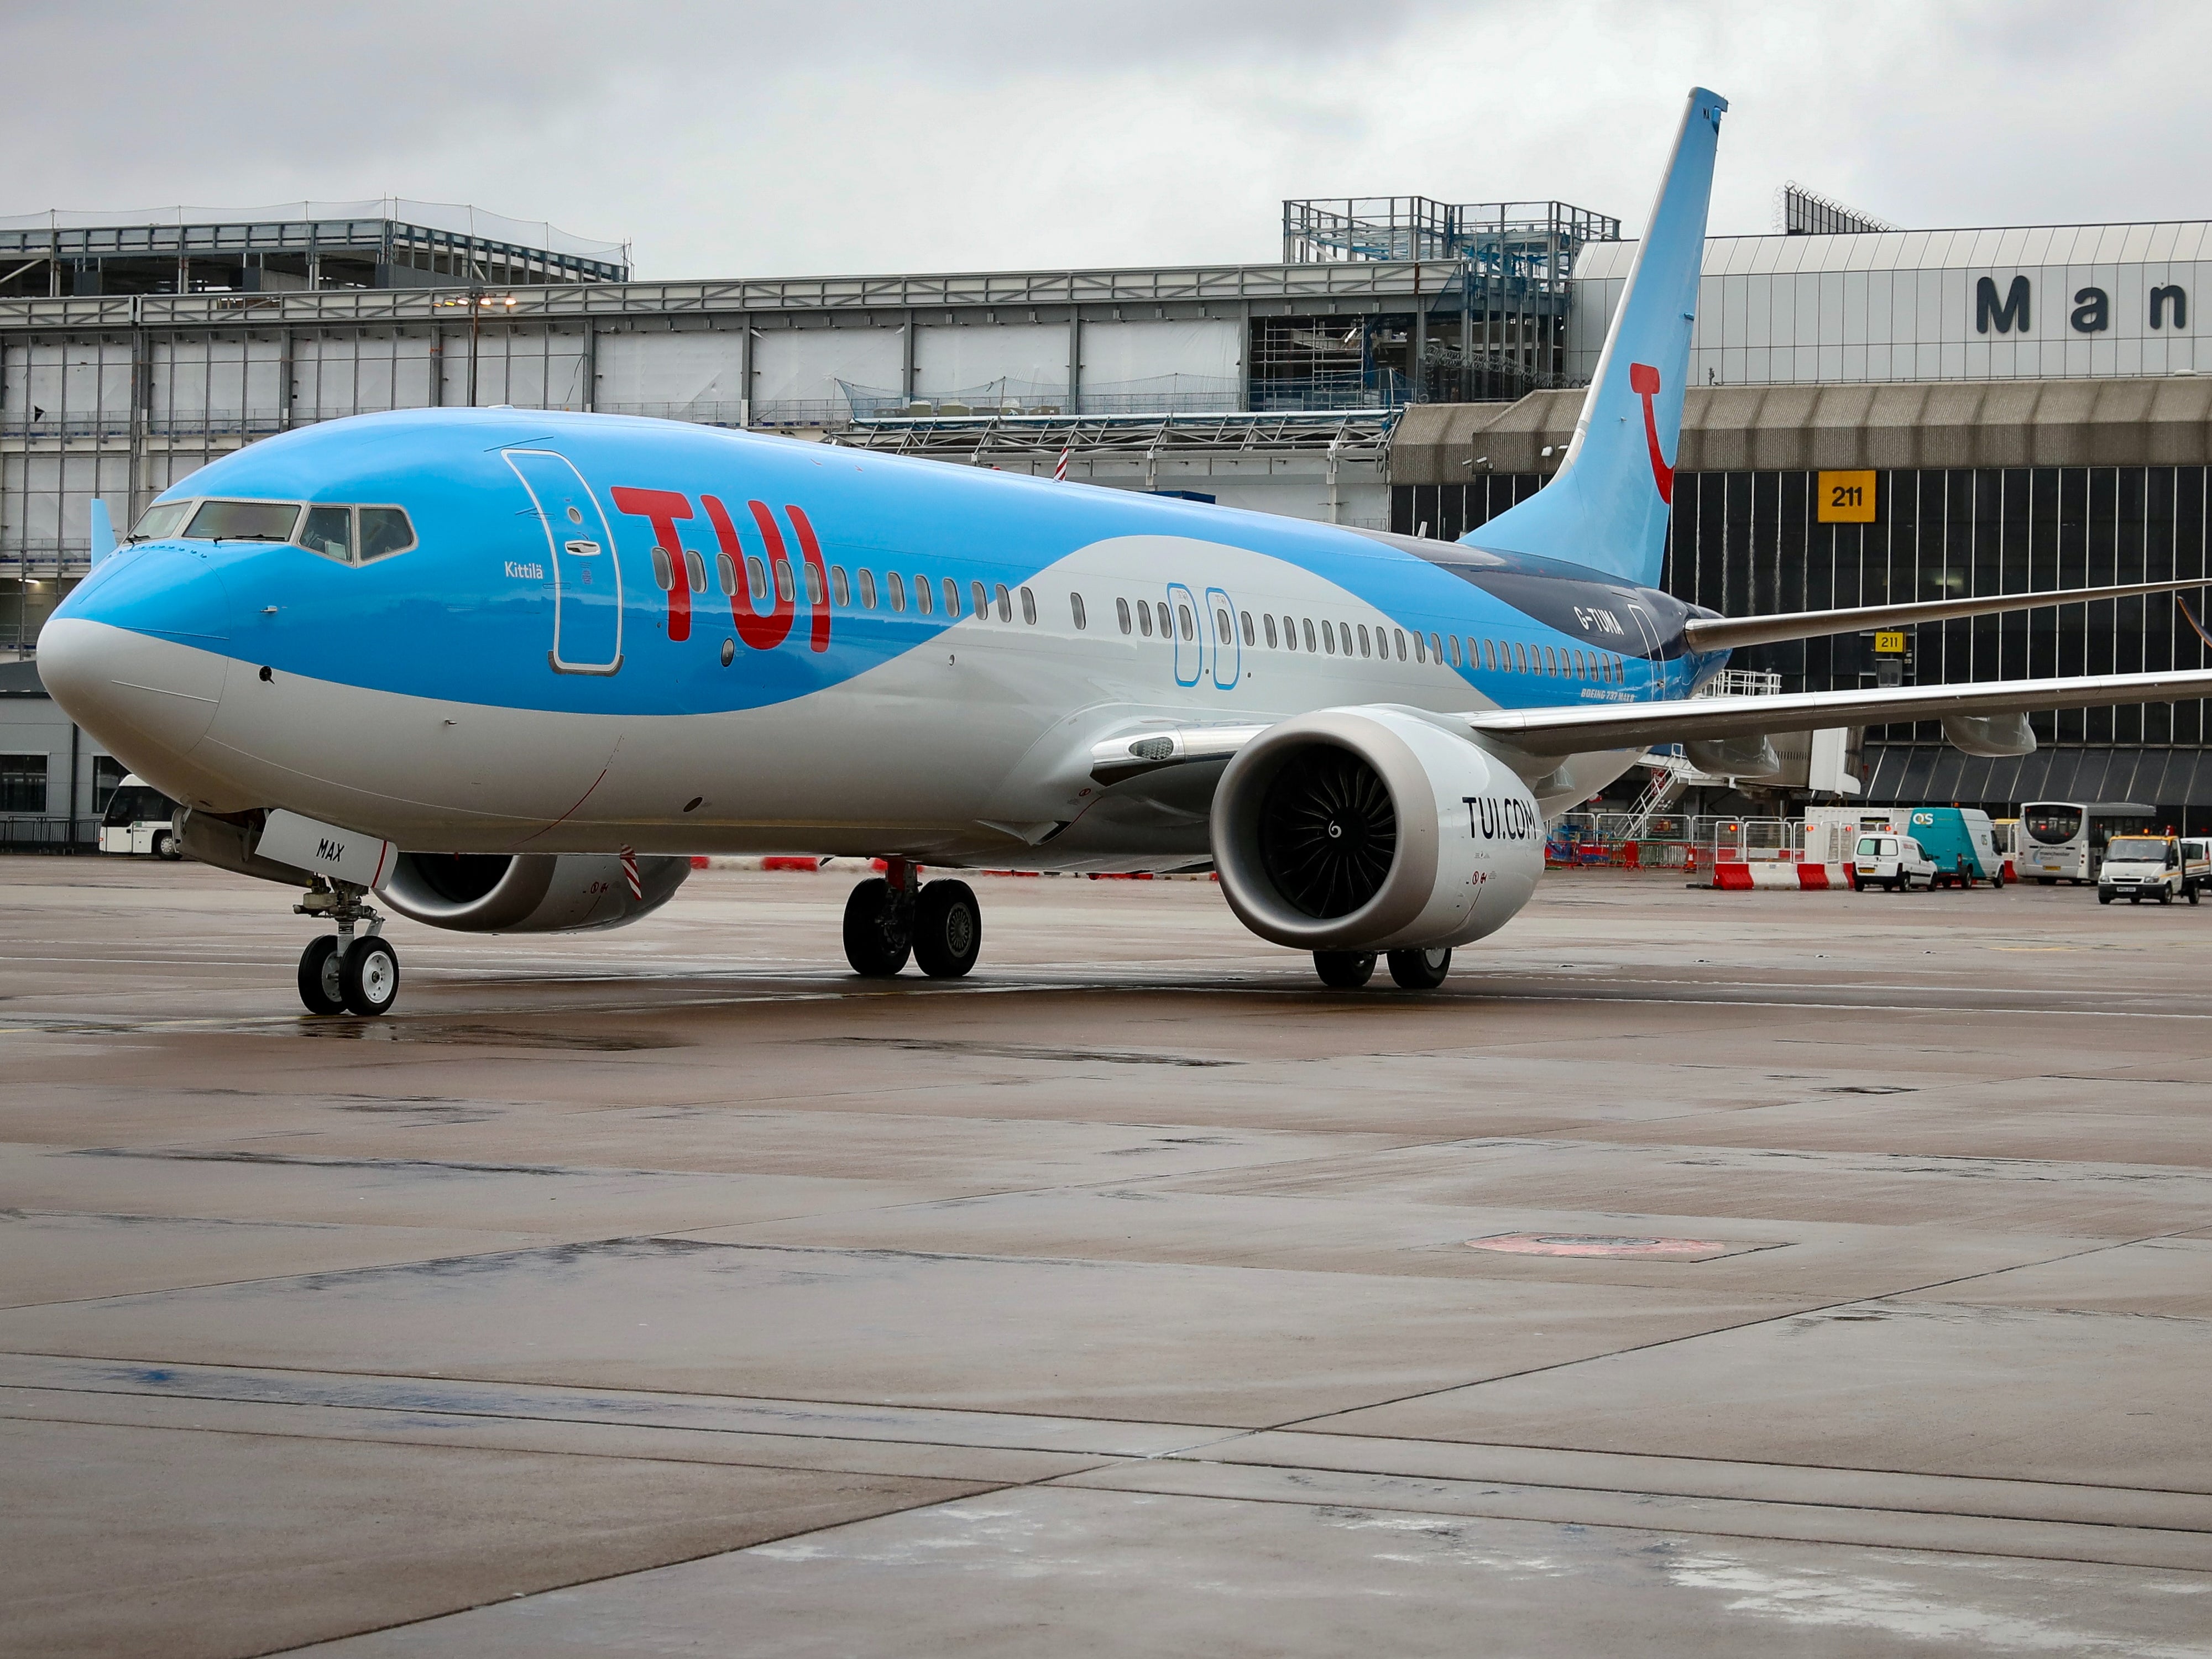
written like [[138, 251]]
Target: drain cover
[[1597, 1244]]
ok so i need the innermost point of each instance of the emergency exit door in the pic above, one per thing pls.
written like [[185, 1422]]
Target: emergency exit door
[[580, 550]]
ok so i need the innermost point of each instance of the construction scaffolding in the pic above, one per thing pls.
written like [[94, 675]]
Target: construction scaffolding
[[1492, 321]]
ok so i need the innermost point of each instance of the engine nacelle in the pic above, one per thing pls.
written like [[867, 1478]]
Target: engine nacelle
[[529, 892], [1992, 736], [1371, 829]]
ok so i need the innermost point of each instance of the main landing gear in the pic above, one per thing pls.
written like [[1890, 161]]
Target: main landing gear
[[1412, 970], [354, 970], [892, 916]]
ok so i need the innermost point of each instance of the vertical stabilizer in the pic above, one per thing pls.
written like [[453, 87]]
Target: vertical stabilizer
[[1607, 506]]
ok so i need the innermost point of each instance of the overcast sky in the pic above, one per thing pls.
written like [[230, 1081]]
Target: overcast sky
[[731, 138]]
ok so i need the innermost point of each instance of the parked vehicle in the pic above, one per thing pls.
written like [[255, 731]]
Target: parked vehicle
[[2066, 840], [1962, 843], [2195, 866], [2139, 867], [139, 819], [1893, 862]]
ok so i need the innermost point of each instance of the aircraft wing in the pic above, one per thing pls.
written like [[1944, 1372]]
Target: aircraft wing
[[1582, 727], [1726, 632]]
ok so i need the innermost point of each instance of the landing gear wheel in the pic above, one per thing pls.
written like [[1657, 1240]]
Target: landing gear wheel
[[875, 939], [318, 976], [1344, 971], [948, 929], [368, 976], [1420, 970]]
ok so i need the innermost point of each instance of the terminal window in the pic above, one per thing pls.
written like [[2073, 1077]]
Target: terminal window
[[22, 783]]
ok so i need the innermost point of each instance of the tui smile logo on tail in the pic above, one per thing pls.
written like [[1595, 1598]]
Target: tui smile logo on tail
[[1643, 381]]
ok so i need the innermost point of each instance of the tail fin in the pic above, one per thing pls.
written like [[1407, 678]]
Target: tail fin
[[1607, 506]]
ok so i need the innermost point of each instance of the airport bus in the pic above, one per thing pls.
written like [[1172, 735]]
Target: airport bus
[[141, 819], [2065, 840]]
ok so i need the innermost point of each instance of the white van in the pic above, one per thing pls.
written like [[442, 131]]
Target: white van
[[139, 819], [1891, 862], [2139, 867]]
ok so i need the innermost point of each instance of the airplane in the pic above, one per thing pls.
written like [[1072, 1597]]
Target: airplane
[[506, 671]]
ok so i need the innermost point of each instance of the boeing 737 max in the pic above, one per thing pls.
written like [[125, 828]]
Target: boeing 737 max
[[507, 669]]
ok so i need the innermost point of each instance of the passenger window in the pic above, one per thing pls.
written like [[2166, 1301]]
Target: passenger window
[[1121, 615], [1029, 607], [1006, 604], [1344, 636], [839, 587], [1269, 617], [1329, 637], [1398, 639], [1249, 637], [1145, 617], [664, 576], [952, 597], [329, 530], [1309, 633], [868, 590], [979, 601], [813, 586], [1220, 626], [1419, 655], [1183, 617], [1454, 645], [695, 568], [923, 600], [725, 573], [1075, 608], [1363, 642], [758, 587], [783, 582], [383, 531], [897, 585]]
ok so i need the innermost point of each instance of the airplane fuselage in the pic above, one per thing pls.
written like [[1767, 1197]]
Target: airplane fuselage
[[619, 632]]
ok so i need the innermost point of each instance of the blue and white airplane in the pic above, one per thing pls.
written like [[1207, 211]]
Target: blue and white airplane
[[507, 669]]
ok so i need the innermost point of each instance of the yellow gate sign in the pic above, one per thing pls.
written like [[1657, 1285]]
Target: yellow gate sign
[[1846, 498], [1889, 643]]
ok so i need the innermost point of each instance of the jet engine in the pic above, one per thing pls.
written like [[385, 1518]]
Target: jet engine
[[529, 892], [1373, 829]]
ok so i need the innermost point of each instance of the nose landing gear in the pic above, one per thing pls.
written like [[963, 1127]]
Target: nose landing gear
[[349, 971], [892, 916]]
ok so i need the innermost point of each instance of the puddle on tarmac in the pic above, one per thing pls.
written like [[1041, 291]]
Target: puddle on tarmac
[[1030, 1051]]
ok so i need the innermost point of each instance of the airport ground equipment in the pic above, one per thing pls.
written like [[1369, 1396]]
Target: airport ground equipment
[[2139, 867]]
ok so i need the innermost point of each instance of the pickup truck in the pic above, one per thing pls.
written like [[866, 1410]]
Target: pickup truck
[[2139, 867], [1891, 862]]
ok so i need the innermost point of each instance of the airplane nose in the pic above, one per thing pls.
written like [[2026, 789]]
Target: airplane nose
[[136, 655]]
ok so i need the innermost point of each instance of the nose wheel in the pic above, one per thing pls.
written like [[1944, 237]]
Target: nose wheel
[[350, 972]]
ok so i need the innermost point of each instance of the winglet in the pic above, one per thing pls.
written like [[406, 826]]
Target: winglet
[[1609, 506], [103, 531]]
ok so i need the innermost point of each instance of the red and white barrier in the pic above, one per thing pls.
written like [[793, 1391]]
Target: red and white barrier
[[1741, 877]]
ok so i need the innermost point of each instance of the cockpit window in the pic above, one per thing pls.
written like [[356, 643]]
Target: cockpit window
[[383, 531], [243, 521], [355, 535], [161, 519], [329, 530]]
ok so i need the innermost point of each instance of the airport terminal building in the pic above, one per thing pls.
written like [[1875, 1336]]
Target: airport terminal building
[[1875, 415]]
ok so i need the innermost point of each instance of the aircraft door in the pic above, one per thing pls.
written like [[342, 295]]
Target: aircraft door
[[1189, 621], [586, 577], [1228, 653]]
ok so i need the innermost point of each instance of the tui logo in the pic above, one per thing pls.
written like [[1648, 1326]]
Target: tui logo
[[1643, 381]]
